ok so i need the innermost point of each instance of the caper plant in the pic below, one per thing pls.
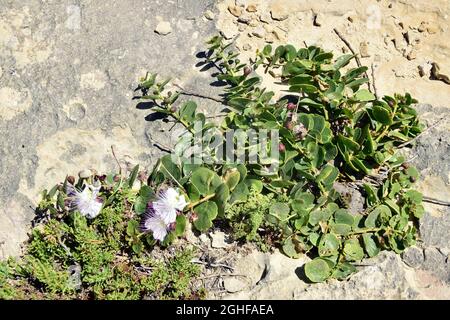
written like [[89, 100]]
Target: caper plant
[[332, 130]]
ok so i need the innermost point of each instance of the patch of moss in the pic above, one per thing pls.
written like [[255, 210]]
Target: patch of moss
[[247, 218]]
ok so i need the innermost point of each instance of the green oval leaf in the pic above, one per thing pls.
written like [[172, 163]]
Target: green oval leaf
[[364, 95], [328, 245], [205, 180], [353, 250], [381, 115], [317, 270], [206, 213], [370, 245]]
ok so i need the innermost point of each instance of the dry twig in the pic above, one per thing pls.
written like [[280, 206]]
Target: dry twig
[[422, 133], [115, 157], [349, 46], [194, 94], [375, 91], [436, 201]]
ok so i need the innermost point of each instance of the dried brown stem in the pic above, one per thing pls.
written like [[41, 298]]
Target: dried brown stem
[[115, 157], [422, 133], [349, 46]]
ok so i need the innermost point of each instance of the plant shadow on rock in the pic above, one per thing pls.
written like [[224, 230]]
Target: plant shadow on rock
[[206, 65], [300, 272]]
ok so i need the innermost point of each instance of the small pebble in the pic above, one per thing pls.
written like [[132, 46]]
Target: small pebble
[[265, 17], [204, 238], [364, 50], [209, 15], [411, 55], [269, 38], [245, 18], [425, 69], [163, 28], [84, 174], [253, 23], [235, 10], [259, 32], [423, 26], [218, 240], [230, 32], [268, 28], [279, 13], [252, 8], [432, 29]]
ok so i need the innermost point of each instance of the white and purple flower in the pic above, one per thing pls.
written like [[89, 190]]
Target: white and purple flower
[[162, 213], [169, 202], [86, 201]]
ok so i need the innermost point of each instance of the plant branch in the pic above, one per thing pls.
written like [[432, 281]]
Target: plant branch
[[194, 204], [115, 158], [422, 133], [375, 91], [349, 46], [197, 95], [436, 201]]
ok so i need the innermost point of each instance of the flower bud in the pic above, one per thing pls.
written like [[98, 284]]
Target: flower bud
[[289, 125], [281, 147], [101, 178], [142, 176], [291, 106], [247, 70], [193, 217], [173, 109], [172, 226], [71, 179], [84, 174], [300, 131]]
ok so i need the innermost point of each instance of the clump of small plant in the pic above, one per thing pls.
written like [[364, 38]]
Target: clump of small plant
[[87, 244], [332, 130]]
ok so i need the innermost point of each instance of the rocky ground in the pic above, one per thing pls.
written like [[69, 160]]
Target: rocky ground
[[67, 74]]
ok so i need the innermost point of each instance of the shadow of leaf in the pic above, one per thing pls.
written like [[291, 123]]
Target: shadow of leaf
[[156, 116], [300, 272], [145, 105]]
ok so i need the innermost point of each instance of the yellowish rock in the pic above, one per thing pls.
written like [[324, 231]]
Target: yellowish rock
[[235, 10], [279, 11], [432, 29], [252, 8], [364, 49], [209, 15]]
